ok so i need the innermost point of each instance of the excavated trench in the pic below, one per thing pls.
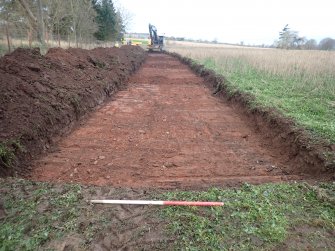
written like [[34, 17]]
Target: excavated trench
[[166, 130]]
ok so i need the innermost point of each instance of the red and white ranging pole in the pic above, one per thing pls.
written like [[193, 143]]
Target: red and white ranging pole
[[160, 202]]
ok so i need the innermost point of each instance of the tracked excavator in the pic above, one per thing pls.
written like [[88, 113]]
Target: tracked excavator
[[156, 42]]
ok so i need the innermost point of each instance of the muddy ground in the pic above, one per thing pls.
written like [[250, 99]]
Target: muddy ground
[[61, 212], [166, 130], [41, 97]]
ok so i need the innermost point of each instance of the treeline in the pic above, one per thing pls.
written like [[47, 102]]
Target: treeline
[[289, 39], [76, 21]]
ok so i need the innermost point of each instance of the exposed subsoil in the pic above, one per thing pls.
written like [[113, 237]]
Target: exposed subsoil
[[41, 97], [166, 130], [306, 153]]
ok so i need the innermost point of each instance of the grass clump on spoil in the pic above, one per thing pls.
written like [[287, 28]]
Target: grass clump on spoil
[[8, 150], [300, 84], [255, 218], [6, 155]]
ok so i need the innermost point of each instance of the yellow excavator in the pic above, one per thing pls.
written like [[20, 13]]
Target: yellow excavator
[[156, 42]]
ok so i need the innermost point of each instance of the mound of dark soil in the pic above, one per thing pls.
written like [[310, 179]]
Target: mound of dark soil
[[41, 96]]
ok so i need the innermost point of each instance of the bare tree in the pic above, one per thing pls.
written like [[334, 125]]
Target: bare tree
[[86, 25], [311, 44], [40, 23], [327, 44], [9, 19], [299, 42], [82, 15], [58, 19], [4, 7], [7, 36], [126, 18], [74, 20], [36, 23], [29, 13]]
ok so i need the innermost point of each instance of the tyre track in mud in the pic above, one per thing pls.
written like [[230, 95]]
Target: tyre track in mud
[[166, 130]]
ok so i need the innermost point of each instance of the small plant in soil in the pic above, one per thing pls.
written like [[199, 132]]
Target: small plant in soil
[[6, 155], [8, 150]]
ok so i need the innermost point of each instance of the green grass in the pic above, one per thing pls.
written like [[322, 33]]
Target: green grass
[[46, 216], [27, 225], [6, 155], [263, 217], [254, 218], [309, 101], [8, 151], [140, 41]]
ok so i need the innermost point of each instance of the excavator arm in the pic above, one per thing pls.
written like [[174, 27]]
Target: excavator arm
[[153, 34], [156, 42]]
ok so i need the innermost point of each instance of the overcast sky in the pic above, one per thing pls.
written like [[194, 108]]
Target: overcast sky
[[233, 21]]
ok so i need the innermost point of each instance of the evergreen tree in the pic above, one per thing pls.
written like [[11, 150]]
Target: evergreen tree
[[107, 20]]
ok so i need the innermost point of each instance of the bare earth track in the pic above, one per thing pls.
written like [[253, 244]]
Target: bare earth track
[[166, 131]]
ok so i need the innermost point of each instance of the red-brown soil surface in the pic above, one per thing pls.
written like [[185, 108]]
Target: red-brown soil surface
[[41, 97], [166, 130]]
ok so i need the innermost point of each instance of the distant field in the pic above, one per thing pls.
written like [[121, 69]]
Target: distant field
[[138, 41], [301, 84], [172, 43]]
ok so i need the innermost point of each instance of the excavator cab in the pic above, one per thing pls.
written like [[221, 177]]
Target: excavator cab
[[156, 42]]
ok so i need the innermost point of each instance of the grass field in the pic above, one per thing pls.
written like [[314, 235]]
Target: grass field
[[264, 217], [138, 41], [300, 84]]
